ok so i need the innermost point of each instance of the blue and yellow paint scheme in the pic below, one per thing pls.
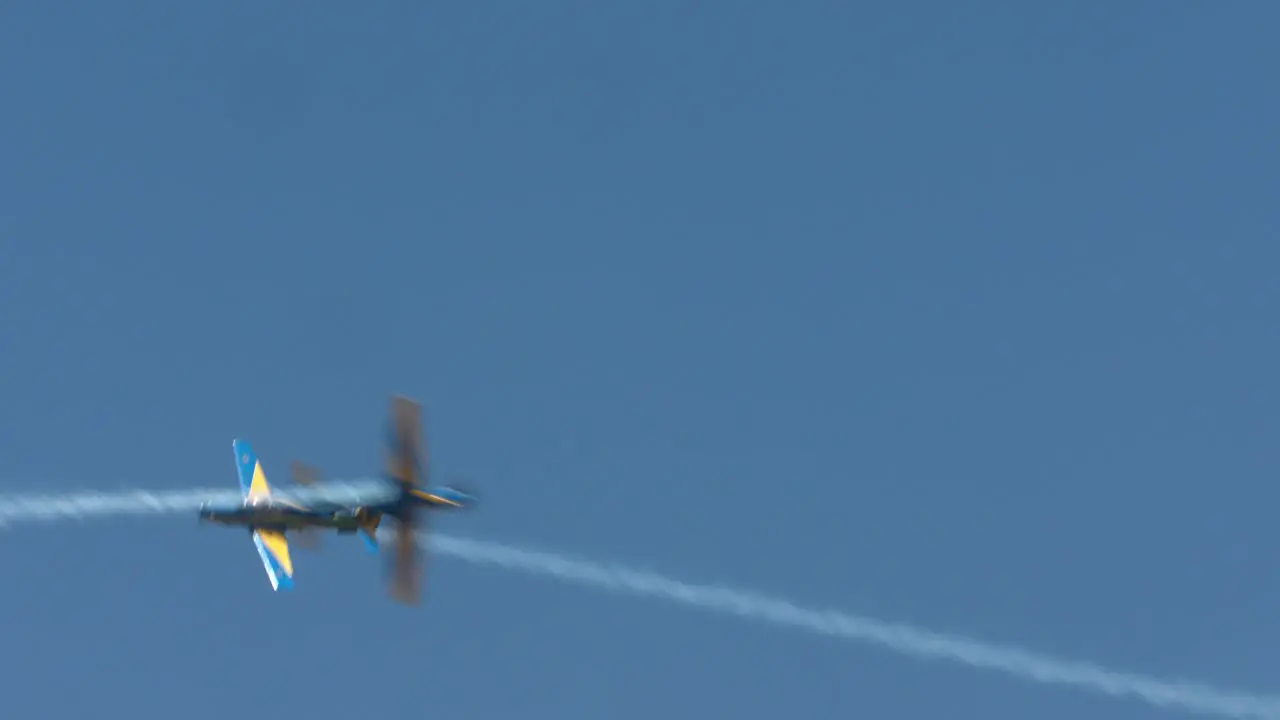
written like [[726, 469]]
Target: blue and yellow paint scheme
[[368, 518], [268, 518], [405, 470]]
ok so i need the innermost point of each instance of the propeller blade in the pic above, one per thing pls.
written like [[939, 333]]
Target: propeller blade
[[405, 459], [304, 474], [406, 463], [307, 539], [406, 578]]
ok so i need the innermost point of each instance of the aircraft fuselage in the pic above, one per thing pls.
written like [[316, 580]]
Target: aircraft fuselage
[[280, 516]]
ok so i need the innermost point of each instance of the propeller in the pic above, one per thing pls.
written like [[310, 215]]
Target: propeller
[[307, 538], [406, 465], [304, 475]]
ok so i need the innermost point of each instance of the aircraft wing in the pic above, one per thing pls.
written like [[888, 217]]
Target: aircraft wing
[[274, 550]]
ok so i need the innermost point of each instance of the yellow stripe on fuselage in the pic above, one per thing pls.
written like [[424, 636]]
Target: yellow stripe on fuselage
[[433, 498]]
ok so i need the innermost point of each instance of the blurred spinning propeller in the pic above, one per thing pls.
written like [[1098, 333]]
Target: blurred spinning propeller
[[406, 464], [307, 538]]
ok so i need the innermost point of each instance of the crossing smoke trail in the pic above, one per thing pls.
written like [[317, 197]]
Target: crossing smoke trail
[[902, 639]]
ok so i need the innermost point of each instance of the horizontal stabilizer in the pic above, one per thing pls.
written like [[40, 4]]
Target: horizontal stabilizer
[[274, 550]]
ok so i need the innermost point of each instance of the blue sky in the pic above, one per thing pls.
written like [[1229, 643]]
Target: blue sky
[[962, 316]]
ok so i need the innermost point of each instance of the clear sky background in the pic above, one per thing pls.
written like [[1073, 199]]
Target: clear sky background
[[962, 314]]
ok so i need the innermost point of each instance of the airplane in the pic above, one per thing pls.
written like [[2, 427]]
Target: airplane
[[268, 518], [405, 468], [346, 519]]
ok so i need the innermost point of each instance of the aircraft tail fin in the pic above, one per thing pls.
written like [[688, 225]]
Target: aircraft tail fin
[[253, 481]]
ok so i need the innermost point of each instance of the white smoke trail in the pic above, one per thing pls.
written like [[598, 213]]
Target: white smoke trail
[[902, 639], [73, 506]]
